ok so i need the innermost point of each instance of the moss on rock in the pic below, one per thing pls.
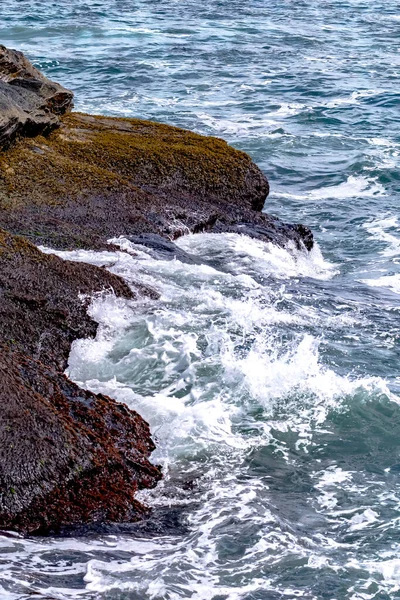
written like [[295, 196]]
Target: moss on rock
[[97, 177]]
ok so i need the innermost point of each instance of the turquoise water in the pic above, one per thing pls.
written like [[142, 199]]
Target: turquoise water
[[270, 378]]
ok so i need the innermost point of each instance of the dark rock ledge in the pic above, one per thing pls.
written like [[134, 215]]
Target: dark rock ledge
[[70, 180]]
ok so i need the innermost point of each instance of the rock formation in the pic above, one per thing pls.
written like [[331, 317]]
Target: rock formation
[[60, 446], [29, 102], [70, 180], [67, 456], [97, 177]]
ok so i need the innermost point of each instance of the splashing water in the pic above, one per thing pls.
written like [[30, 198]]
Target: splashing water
[[247, 415], [270, 377]]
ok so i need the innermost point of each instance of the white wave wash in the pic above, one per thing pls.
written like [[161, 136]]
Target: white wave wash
[[387, 230], [353, 187], [198, 364], [390, 282]]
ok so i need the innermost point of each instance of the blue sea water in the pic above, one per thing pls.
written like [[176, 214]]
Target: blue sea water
[[270, 378]]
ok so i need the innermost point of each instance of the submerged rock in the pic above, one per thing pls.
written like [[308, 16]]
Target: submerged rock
[[29, 102], [164, 249]]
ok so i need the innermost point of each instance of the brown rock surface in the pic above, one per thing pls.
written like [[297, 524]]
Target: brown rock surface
[[40, 309], [99, 177], [66, 455]]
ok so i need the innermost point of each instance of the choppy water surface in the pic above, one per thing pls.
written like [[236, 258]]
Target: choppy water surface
[[270, 378]]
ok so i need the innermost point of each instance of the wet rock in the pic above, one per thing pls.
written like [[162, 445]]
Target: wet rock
[[163, 249], [29, 102], [66, 455], [161, 521], [269, 229], [42, 310], [95, 178]]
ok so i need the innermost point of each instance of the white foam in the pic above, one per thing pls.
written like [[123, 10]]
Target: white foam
[[250, 125], [386, 229], [241, 125], [264, 372], [354, 97], [376, 141], [353, 187], [289, 110], [387, 573], [248, 255], [310, 390], [390, 282], [145, 30], [185, 409], [201, 364], [364, 519]]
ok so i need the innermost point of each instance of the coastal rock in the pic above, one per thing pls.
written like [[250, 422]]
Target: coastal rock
[[69, 457], [95, 178], [60, 446], [41, 309], [163, 249], [66, 455], [29, 102]]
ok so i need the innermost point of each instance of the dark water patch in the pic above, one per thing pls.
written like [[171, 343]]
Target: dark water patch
[[162, 521]]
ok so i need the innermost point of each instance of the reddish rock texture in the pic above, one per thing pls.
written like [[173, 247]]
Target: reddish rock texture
[[67, 456]]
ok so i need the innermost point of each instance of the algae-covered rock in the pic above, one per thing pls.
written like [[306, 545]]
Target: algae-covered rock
[[99, 177], [29, 102]]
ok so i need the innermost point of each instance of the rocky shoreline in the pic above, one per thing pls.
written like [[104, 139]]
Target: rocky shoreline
[[70, 180]]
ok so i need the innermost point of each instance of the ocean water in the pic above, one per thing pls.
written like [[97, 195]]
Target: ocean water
[[270, 377]]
